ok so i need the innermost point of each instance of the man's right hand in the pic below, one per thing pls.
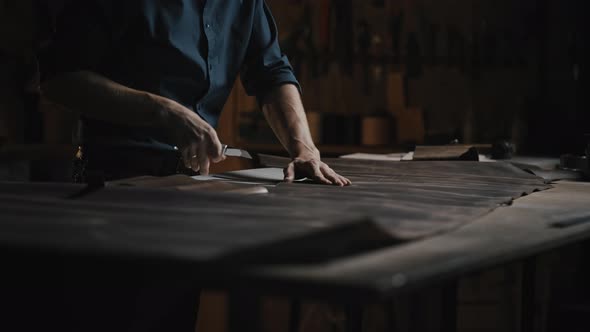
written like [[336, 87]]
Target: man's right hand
[[194, 137], [98, 97]]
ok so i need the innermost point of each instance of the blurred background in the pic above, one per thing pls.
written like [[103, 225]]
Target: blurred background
[[377, 75]]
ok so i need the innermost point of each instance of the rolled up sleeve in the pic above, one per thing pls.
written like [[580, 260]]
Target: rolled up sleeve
[[265, 66]]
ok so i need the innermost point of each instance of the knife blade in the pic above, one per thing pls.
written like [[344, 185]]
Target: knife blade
[[235, 152]]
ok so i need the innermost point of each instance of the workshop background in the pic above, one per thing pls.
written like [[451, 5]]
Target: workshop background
[[378, 76]]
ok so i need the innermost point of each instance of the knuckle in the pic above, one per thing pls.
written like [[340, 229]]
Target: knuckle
[[199, 136], [211, 133]]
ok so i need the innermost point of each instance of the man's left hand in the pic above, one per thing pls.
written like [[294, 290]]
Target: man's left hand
[[313, 168]]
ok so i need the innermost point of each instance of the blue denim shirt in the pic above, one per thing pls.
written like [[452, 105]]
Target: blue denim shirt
[[190, 51]]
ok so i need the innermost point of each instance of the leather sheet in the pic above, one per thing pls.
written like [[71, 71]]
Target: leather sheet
[[388, 203], [417, 198]]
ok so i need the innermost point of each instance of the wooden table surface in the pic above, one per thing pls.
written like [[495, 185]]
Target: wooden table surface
[[311, 248], [532, 225]]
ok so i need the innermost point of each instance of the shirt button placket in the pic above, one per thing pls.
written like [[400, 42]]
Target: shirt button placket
[[208, 32]]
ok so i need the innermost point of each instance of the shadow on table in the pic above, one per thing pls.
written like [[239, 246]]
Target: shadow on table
[[343, 240]]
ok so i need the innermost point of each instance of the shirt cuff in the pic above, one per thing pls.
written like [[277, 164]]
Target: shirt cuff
[[275, 83]]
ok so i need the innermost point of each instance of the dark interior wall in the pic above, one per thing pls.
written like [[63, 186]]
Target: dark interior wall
[[472, 71], [487, 73], [498, 68], [24, 116], [16, 54], [559, 116]]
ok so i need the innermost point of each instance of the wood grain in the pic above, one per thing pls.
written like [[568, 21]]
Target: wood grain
[[401, 201]]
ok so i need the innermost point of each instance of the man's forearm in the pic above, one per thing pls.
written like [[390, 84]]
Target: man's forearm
[[97, 97], [285, 114]]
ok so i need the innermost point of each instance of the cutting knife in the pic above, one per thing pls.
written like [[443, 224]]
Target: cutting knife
[[235, 152]]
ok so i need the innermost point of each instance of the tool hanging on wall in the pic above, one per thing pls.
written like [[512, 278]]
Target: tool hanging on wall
[[450, 46], [475, 64], [507, 49], [343, 43], [300, 45], [324, 33], [521, 41], [460, 50], [364, 44], [489, 46], [455, 47], [377, 65], [429, 33], [396, 27], [414, 57], [432, 43]]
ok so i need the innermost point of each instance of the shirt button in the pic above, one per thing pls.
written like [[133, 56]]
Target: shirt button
[[208, 26]]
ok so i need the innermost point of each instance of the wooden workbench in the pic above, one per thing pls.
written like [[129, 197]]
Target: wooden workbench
[[400, 227], [531, 225]]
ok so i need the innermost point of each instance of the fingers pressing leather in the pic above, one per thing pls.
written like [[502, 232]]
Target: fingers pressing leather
[[204, 162], [331, 175], [189, 157], [317, 173], [348, 182], [289, 172], [345, 181], [322, 179], [335, 177], [186, 157], [315, 170], [215, 149], [194, 162], [328, 174]]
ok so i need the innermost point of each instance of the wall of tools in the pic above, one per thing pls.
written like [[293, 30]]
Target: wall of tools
[[399, 72], [382, 73]]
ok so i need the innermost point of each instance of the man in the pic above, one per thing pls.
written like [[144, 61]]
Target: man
[[151, 76], [147, 77]]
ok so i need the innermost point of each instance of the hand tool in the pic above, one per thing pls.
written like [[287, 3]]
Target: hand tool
[[364, 45], [396, 27], [577, 163], [235, 152]]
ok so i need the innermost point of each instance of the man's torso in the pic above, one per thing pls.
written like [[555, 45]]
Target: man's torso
[[190, 51]]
